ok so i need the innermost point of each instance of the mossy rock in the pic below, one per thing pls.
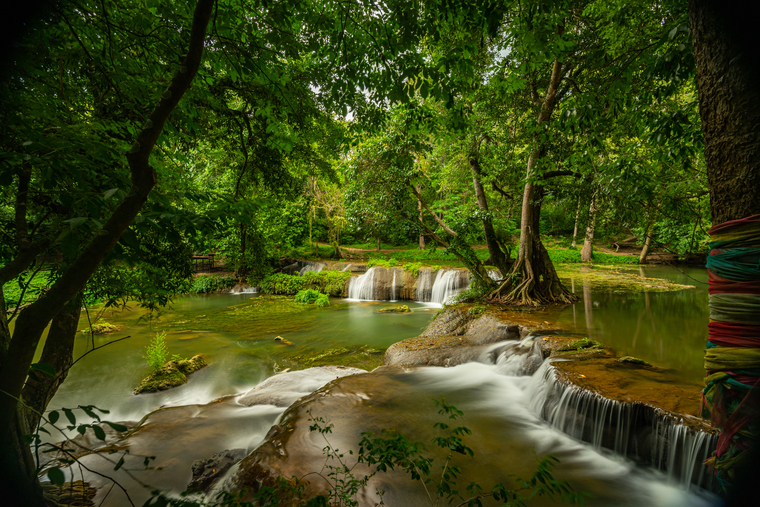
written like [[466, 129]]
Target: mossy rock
[[581, 344], [100, 327], [633, 360], [172, 374], [395, 309]]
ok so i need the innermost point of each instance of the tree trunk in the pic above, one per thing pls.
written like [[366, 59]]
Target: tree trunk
[[532, 279], [17, 484], [577, 218], [58, 353], [728, 72], [495, 254], [421, 217], [647, 243], [588, 247], [378, 243]]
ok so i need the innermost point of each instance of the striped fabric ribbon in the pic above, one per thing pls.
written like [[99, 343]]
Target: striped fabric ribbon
[[731, 397]]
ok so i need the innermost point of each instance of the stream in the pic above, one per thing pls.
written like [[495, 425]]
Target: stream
[[502, 405]]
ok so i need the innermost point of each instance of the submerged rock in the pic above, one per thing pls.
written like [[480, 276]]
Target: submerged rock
[[71, 494], [206, 472], [172, 374], [633, 360], [395, 309]]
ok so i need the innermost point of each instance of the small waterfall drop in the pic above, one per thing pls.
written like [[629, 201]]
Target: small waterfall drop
[[393, 287], [447, 285], [241, 289], [311, 266], [494, 274], [363, 286], [424, 285]]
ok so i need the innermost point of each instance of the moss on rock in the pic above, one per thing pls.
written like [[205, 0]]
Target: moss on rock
[[172, 374], [581, 344], [633, 360], [100, 327], [395, 309]]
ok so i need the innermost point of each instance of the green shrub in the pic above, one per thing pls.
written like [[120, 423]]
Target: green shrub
[[207, 283], [561, 255], [322, 300], [413, 268], [157, 352], [379, 261], [307, 296], [280, 283], [332, 283]]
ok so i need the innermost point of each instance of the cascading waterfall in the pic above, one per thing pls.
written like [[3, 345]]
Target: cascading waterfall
[[311, 266], [623, 428], [674, 439], [363, 286], [424, 285], [244, 290], [494, 274], [393, 287], [447, 285]]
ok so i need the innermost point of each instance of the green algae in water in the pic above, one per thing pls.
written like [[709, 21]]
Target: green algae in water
[[614, 278]]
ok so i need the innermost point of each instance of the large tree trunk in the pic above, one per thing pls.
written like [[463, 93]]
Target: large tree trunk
[[495, 254], [728, 73], [58, 353], [728, 80], [19, 486], [588, 242], [532, 279]]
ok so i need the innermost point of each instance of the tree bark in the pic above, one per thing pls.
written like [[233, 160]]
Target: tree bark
[[58, 353], [647, 242], [728, 73], [495, 254], [17, 480], [421, 217], [577, 218], [588, 246], [727, 59]]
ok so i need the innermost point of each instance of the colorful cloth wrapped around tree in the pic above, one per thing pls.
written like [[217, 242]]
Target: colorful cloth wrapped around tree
[[731, 397]]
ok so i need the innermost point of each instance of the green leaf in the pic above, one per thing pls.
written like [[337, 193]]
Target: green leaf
[[99, 433], [56, 476], [70, 415], [53, 417], [43, 368]]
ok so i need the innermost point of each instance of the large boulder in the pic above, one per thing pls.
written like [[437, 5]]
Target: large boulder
[[172, 374]]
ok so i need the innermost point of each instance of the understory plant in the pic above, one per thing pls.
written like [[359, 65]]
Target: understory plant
[[157, 351]]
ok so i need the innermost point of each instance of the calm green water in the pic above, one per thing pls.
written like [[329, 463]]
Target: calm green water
[[236, 334], [667, 329]]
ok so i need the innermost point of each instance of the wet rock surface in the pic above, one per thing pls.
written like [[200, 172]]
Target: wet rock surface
[[206, 472], [457, 335]]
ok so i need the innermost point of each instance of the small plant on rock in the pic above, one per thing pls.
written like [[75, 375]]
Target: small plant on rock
[[157, 352]]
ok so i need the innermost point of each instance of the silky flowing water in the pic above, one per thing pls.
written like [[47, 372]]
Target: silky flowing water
[[236, 333]]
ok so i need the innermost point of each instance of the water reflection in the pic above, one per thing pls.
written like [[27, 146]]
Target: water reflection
[[668, 329]]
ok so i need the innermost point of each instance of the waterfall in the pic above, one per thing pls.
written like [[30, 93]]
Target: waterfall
[[494, 274], [393, 287], [363, 286], [424, 285], [447, 285], [311, 266], [624, 428], [242, 289]]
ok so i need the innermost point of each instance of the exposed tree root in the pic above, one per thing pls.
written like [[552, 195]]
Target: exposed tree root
[[532, 282]]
